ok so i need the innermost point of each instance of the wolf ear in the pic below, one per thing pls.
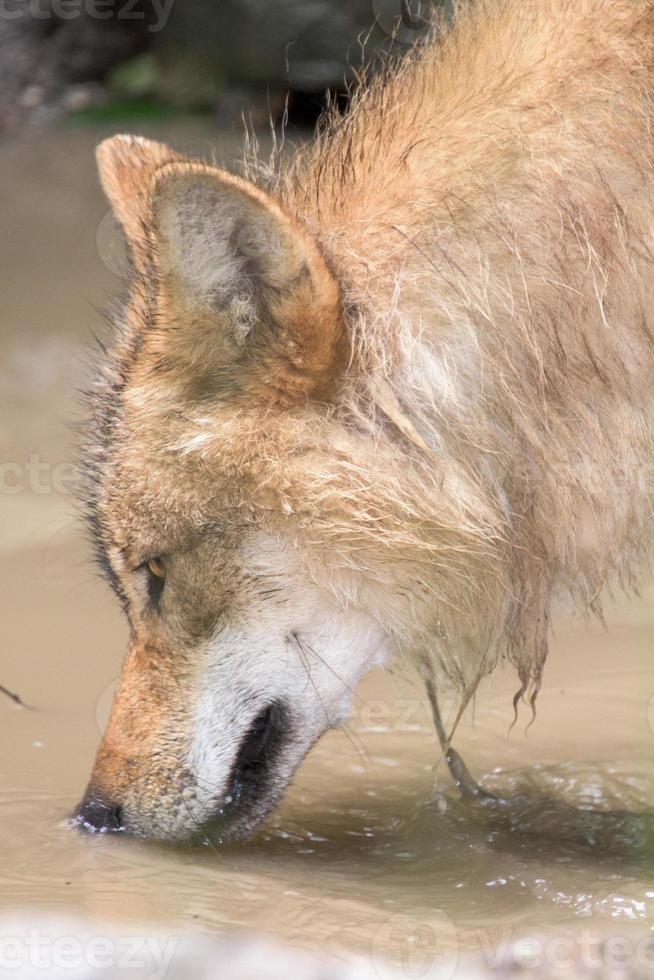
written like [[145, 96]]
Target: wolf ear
[[247, 304]]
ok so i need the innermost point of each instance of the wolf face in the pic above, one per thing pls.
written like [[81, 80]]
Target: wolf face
[[237, 664], [216, 402]]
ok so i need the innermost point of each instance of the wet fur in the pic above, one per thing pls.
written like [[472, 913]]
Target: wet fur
[[488, 208], [466, 436]]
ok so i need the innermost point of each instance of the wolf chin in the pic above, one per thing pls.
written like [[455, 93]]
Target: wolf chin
[[391, 398]]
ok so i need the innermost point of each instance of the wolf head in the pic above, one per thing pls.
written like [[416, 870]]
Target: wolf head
[[214, 426]]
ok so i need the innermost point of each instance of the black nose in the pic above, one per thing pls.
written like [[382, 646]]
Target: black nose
[[98, 817]]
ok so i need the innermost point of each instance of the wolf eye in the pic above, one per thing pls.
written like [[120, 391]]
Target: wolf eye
[[156, 570], [157, 567]]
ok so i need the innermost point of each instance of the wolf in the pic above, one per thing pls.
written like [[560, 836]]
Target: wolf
[[390, 400]]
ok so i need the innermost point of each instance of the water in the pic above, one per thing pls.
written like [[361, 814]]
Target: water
[[372, 850]]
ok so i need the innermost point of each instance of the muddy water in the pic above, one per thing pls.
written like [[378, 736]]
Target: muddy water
[[371, 849]]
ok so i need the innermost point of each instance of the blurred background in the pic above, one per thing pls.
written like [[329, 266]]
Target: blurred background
[[127, 59]]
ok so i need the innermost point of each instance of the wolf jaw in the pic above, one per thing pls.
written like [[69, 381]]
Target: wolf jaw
[[396, 402]]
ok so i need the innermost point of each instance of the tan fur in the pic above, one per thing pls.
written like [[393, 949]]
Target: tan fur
[[479, 226]]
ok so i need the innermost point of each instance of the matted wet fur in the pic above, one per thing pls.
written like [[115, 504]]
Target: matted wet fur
[[395, 399]]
